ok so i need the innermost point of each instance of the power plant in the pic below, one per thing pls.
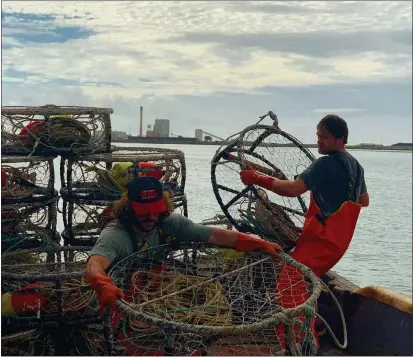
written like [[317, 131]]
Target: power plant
[[160, 133]]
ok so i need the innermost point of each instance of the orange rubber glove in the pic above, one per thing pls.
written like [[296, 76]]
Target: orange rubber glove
[[251, 177], [106, 291], [246, 244]]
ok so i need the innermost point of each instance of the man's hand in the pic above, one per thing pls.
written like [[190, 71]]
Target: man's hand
[[106, 291], [251, 177], [246, 244]]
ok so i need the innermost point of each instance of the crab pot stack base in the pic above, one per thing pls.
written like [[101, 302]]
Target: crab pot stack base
[[91, 184], [28, 225], [55, 130], [44, 288]]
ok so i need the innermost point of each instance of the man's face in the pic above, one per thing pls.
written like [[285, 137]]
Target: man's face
[[148, 220], [326, 142]]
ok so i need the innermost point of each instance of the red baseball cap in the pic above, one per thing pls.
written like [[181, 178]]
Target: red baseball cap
[[146, 195]]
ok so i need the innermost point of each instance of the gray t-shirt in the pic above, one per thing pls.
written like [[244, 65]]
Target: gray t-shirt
[[115, 244], [328, 179]]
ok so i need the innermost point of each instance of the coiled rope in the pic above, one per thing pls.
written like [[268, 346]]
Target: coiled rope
[[204, 304]]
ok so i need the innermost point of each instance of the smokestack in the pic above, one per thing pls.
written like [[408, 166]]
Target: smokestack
[[141, 122]]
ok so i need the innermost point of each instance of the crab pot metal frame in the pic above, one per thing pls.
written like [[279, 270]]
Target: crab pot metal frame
[[29, 179], [57, 273], [29, 225], [55, 130]]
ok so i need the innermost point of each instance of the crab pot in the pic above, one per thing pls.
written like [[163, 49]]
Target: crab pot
[[28, 225], [251, 209], [55, 130], [205, 304], [27, 179], [45, 287], [106, 176]]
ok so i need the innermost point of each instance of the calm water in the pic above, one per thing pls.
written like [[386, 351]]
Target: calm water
[[381, 250]]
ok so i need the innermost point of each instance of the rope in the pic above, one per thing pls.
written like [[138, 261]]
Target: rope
[[202, 303], [342, 317], [14, 189]]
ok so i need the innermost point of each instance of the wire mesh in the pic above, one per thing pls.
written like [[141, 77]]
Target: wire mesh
[[27, 179], [28, 225], [53, 130], [273, 152], [196, 304], [45, 285]]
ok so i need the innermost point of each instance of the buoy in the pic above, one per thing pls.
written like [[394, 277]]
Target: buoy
[[23, 302]]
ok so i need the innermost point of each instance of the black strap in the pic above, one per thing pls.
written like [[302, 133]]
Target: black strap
[[353, 187], [125, 222]]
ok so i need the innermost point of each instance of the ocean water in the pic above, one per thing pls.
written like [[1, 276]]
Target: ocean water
[[381, 249]]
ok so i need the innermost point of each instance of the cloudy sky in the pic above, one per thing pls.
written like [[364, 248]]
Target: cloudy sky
[[217, 65]]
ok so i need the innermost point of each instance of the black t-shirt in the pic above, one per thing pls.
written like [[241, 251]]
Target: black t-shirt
[[328, 178]]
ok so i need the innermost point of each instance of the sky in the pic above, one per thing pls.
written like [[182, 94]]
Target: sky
[[217, 66]]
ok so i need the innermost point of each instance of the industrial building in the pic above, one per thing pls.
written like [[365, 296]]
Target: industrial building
[[199, 135], [162, 127]]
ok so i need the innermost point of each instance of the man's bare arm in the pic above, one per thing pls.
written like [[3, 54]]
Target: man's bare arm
[[223, 237], [96, 264], [289, 188]]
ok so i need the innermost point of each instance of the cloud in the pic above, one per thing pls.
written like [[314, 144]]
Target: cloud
[[315, 44], [217, 65]]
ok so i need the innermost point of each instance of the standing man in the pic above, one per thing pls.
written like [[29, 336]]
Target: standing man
[[144, 219], [338, 191]]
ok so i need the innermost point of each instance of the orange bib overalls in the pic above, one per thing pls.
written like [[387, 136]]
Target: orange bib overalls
[[321, 245]]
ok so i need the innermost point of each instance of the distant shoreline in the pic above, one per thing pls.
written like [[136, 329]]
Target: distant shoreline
[[218, 143]]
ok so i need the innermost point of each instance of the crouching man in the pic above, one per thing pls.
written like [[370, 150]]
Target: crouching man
[[144, 219]]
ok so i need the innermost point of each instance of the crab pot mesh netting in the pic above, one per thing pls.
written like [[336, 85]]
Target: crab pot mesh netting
[[28, 225], [268, 151], [51, 130], [26, 179], [45, 285], [192, 304]]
